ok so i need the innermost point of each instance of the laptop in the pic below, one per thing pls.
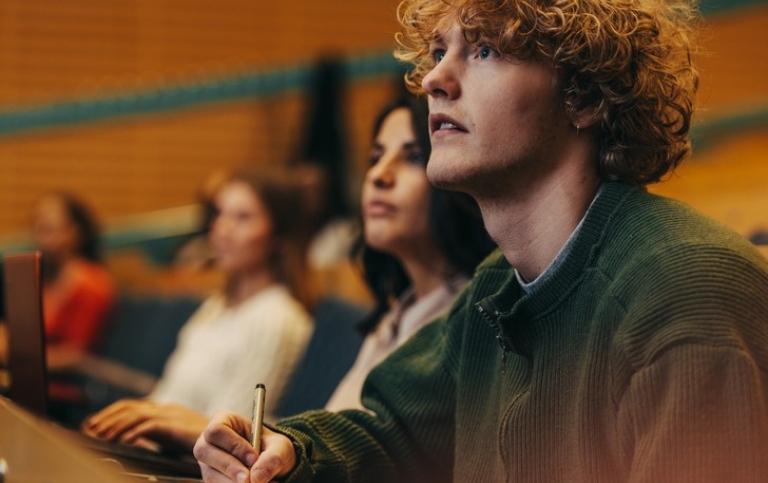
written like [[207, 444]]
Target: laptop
[[29, 377], [24, 317]]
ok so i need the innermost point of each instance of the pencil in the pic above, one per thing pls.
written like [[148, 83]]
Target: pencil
[[259, 393]]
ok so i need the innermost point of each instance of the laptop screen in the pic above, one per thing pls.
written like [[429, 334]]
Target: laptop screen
[[24, 316]]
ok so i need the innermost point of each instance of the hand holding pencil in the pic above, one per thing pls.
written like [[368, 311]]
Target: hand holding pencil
[[225, 452]]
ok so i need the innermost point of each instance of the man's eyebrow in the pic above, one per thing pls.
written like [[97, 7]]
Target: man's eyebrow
[[437, 38]]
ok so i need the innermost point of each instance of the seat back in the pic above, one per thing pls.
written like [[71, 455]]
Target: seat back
[[140, 336], [143, 330], [331, 351]]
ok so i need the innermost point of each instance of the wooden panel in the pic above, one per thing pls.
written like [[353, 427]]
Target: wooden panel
[[733, 64], [728, 182], [51, 50]]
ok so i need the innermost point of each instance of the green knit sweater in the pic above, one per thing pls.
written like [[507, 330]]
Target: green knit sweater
[[644, 358]]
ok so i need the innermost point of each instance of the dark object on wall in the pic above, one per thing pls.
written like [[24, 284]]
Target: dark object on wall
[[324, 141], [759, 237]]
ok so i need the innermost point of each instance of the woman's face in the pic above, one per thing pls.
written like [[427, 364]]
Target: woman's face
[[53, 231], [395, 194], [241, 234]]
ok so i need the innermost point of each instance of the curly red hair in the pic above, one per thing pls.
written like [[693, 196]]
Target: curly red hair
[[628, 60]]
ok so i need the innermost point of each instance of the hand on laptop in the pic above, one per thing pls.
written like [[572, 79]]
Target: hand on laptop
[[142, 422]]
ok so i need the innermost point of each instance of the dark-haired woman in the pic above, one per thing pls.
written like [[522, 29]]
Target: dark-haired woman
[[78, 292], [420, 244]]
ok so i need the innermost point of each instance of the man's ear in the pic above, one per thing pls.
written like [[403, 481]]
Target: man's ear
[[587, 117]]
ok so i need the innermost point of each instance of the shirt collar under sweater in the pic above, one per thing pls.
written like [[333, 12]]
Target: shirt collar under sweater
[[555, 263]]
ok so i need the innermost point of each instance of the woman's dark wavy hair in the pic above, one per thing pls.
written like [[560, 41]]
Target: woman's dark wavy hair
[[454, 220], [629, 61]]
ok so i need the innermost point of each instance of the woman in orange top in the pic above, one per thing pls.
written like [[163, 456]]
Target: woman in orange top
[[78, 292]]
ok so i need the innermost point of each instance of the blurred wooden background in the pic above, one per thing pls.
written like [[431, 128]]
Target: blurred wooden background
[[56, 57]]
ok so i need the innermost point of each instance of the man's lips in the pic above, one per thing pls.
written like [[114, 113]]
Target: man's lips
[[440, 122]]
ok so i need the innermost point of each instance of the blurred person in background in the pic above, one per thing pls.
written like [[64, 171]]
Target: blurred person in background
[[78, 291], [254, 331], [420, 245]]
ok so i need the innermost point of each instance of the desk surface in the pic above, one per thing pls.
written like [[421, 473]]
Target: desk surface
[[26, 441]]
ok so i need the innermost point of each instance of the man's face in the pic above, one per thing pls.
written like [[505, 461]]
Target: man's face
[[496, 122]]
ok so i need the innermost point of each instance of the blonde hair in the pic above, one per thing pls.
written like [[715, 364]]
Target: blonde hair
[[629, 61]]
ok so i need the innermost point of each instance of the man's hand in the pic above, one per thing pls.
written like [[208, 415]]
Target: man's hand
[[225, 453]]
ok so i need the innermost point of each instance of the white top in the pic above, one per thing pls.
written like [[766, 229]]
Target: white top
[[395, 327], [223, 352]]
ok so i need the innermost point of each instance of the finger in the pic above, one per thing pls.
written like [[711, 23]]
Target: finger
[[231, 432], [211, 475], [105, 419], [147, 429], [277, 459], [110, 411], [160, 432], [113, 429], [225, 451], [217, 465], [267, 467]]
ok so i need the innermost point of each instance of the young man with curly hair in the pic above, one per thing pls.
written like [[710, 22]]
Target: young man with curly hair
[[615, 335]]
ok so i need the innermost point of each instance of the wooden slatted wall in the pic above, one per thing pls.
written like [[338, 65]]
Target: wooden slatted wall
[[52, 50]]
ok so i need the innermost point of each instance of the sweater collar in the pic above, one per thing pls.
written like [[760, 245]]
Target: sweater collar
[[510, 299]]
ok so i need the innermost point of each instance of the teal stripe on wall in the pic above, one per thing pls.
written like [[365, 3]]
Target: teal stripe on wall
[[253, 86], [718, 6], [704, 133]]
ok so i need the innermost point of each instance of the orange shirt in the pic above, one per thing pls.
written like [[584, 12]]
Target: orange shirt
[[77, 305]]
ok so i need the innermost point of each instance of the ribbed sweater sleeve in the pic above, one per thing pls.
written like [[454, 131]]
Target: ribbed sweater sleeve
[[406, 433]]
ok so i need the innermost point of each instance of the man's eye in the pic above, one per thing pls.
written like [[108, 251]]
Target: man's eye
[[437, 55], [487, 52]]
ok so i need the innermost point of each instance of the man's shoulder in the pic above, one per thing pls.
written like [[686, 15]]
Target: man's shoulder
[[677, 272], [655, 230]]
